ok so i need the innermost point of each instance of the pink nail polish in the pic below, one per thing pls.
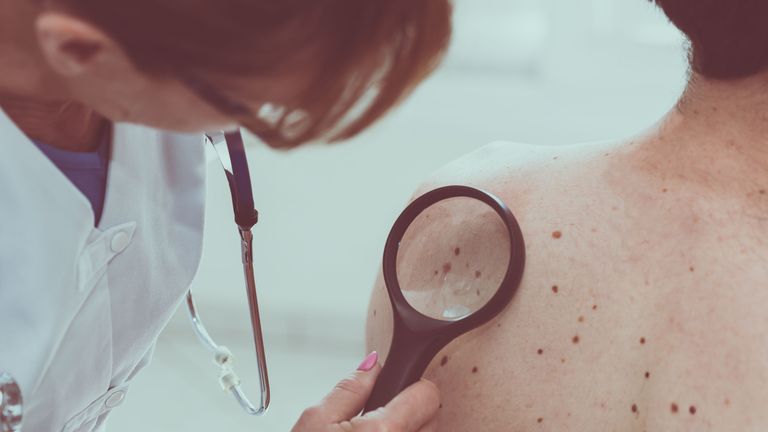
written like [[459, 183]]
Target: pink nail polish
[[369, 362]]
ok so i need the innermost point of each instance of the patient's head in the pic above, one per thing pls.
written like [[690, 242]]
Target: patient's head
[[729, 38]]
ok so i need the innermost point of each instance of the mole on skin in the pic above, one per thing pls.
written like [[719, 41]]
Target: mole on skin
[[647, 375], [444, 361], [594, 307], [575, 339], [474, 369], [581, 319], [642, 341], [673, 408], [540, 351], [557, 234], [478, 273], [554, 289], [692, 410], [447, 267], [634, 408], [539, 420], [457, 251]]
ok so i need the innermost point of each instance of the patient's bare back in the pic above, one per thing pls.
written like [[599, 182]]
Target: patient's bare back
[[644, 304]]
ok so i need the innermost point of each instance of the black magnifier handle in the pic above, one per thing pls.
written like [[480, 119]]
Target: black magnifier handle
[[407, 360]]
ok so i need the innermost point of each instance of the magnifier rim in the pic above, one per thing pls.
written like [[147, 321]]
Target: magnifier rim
[[418, 322]]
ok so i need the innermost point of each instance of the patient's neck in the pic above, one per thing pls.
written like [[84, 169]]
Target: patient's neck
[[718, 133], [723, 105], [67, 125]]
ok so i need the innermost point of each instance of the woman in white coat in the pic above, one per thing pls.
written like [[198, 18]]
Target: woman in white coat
[[101, 205]]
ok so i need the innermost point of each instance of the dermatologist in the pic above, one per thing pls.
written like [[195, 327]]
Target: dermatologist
[[102, 108]]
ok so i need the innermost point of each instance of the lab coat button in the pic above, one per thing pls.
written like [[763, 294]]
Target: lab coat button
[[115, 399], [119, 242]]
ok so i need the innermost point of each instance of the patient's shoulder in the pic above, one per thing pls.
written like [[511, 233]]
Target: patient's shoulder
[[502, 160]]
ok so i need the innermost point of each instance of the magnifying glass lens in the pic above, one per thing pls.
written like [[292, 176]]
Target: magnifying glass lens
[[453, 258]]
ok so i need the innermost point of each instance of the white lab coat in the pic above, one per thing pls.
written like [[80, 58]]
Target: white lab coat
[[81, 307]]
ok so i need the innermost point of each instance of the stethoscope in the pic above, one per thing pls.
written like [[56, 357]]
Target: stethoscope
[[429, 311], [431, 306]]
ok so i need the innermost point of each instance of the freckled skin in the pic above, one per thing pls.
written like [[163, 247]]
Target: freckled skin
[[706, 336]]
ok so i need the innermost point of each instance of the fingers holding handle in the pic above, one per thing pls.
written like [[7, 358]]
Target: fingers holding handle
[[413, 410]]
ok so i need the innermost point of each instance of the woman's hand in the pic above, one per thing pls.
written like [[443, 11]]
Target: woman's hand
[[413, 410]]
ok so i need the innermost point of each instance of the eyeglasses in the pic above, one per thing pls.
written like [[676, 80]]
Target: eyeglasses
[[231, 152], [228, 106]]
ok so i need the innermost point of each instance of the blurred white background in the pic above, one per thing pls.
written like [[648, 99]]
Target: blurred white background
[[539, 71]]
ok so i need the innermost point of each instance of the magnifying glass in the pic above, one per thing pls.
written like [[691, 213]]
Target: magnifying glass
[[479, 243]]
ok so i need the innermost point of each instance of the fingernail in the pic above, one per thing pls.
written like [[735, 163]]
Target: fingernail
[[369, 362]]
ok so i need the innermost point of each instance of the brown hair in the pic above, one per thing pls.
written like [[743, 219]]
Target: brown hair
[[358, 51], [729, 38]]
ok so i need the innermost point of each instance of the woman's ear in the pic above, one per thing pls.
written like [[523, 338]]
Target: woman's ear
[[72, 46]]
